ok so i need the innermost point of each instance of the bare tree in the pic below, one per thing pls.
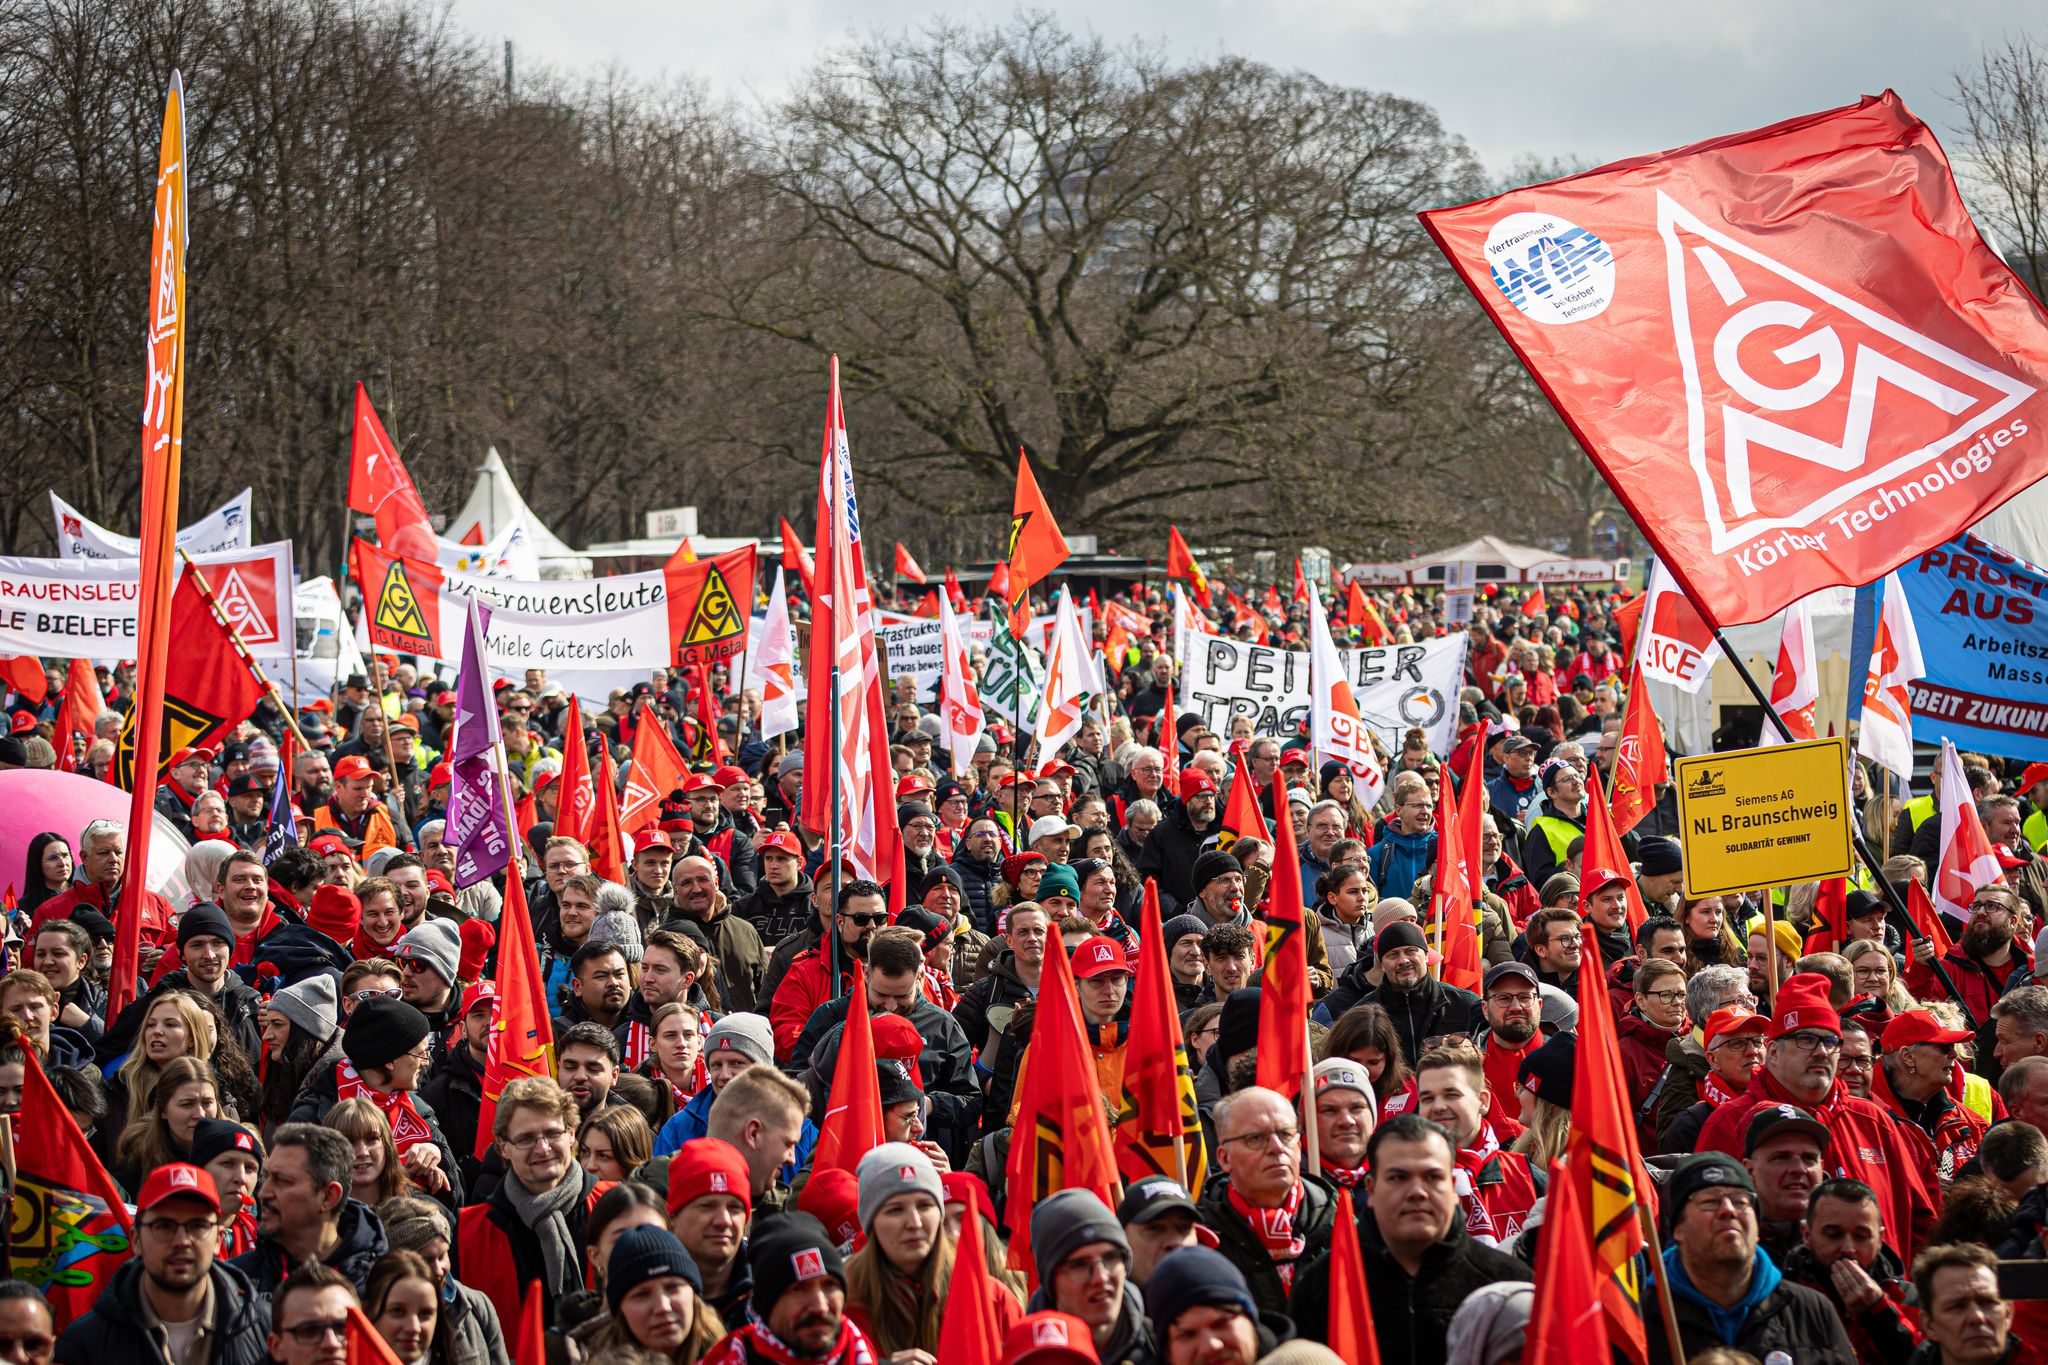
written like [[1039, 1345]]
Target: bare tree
[[2004, 157]]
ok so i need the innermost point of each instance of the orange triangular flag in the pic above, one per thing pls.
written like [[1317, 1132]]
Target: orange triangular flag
[[1603, 851], [1351, 1331], [522, 1041], [1451, 909], [1241, 816], [575, 799], [1639, 759], [657, 770], [1606, 1166], [366, 1345], [1285, 998], [1158, 1131], [607, 847], [1036, 545], [1180, 563], [1566, 1325], [852, 1126], [972, 1327]]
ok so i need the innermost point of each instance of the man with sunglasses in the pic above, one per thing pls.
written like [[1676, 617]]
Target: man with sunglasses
[[1917, 1066], [174, 1300], [1801, 1066]]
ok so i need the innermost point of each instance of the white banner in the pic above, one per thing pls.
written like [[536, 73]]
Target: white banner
[[509, 554], [1395, 687], [225, 528], [85, 608], [916, 647]]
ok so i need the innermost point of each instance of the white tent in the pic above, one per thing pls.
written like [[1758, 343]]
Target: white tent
[[494, 503], [1494, 561]]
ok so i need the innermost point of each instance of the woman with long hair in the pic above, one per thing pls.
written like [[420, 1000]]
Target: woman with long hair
[[1338, 786], [897, 1282], [290, 1050], [48, 871], [677, 1044], [172, 1026], [1710, 937], [1365, 1034], [240, 1091], [652, 1306], [1875, 973], [183, 1093], [402, 1300], [375, 1174], [614, 1142]]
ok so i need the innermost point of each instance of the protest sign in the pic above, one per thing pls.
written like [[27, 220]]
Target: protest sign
[[1753, 818], [915, 648], [224, 528], [85, 608], [1394, 686]]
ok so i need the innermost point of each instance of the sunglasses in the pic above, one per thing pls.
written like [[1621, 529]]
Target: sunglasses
[[866, 921]]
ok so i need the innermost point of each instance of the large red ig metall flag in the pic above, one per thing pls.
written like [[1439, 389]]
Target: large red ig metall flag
[[1790, 351]]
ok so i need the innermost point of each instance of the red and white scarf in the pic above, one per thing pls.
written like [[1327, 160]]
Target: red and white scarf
[[754, 1342], [1274, 1228], [1716, 1091], [408, 1129]]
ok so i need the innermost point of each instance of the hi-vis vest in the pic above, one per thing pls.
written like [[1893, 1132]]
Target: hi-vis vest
[[1919, 809], [1558, 833], [2034, 829]]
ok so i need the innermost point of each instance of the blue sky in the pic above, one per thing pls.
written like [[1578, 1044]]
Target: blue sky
[[1585, 79]]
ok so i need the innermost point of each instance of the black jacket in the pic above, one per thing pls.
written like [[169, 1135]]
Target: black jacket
[[1170, 852], [114, 1329], [944, 1065], [362, 1242], [292, 953], [1235, 1239], [1419, 1015], [455, 1091], [984, 1015], [1791, 1318], [978, 882], [1411, 1314], [1881, 1335], [775, 917], [320, 1091]]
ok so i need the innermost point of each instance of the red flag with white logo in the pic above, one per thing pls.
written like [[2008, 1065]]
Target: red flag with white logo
[[1789, 350], [906, 566], [575, 800], [1640, 762], [1967, 860], [1886, 735], [380, 487], [1795, 682], [1533, 606], [1674, 643], [657, 770]]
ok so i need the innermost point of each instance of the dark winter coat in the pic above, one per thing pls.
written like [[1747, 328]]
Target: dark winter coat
[[362, 1242], [1428, 1012], [1789, 1318], [1312, 1223], [116, 1329]]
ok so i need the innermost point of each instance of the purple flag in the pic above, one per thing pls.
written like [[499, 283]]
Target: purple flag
[[479, 824]]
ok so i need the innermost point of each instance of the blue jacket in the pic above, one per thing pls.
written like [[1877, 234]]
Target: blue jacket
[[1398, 859], [693, 1120], [1516, 801]]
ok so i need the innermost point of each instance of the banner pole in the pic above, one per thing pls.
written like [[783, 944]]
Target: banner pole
[[1669, 1309]]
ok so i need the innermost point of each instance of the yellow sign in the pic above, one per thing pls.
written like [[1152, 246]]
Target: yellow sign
[[715, 616], [1764, 817], [398, 607]]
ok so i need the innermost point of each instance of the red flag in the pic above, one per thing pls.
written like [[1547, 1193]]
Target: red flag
[[1765, 391], [1351, 1332], [24, 673], [1534, 606], [795, 558], [366, 1345], [1036, 545], [1830, 914], [1606, 1166], [607, 848], [1640, 763], [206, 689], [709, 604], [1169, 741], [1472, 809], [1061, 1138], [954, 594], [1928, 925], [972, 1326], [1628, 617], [522, 1039], [657, 770], [77, 716], [380, 487], [575, 799], [1285, 998], [71, 1229], [526, 811], [852, 1126], [999, 582], [163, 428], [1241, 816], [1566, 1325], [1603, 850], [1272, 602], [907, 567], [1300, 582], [1158, 1131], [709, 710], [1180, 563], [929, 608], [1453, 919], [1967, 861]]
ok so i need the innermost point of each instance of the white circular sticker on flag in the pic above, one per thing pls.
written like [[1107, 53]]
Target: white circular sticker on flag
[[1550, 268]]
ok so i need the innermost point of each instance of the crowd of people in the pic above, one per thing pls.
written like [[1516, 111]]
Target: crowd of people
[[1844, 1123]]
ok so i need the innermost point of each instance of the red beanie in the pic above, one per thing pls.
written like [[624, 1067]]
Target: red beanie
[[704, 1166], [833, 1198], [1803, 1003], [897, 1040], [335, 912], [478, 938]]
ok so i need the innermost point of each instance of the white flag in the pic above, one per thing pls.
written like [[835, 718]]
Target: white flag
[[1334, 727], [1068, 681], [1967, 860], [961, 720], [1886, 734], [1795, 681], [771, 667], [1673, 642]]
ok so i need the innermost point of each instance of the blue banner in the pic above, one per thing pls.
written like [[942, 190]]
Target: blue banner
[[1982, 617]]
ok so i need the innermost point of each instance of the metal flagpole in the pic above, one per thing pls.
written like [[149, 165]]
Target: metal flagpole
[[832, 846]]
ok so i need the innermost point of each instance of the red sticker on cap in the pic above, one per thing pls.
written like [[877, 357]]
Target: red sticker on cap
[[808, 1265]]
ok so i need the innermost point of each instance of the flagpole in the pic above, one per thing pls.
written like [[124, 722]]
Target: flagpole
[[1308, 1101], [390, 758], [832, 848], [1669, 1309], [235, 637]]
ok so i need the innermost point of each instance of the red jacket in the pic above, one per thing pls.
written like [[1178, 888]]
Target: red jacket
[[805, 986], [1498, 1192], [156, 912], [1642, 1062], [1981, 986], [1868, 1145], [1504, 1064]]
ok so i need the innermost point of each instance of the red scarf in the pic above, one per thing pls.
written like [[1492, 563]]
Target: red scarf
[[1345, 1177], [755, 1342], [408, 1129], [1715, 1091], [1274, 1228]]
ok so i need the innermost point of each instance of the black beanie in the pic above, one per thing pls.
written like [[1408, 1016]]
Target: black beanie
[[646, 1253], [785, 1251], [381, 1031], [97, 927], [942, 873], [1211, 865], [215, 1137], [1659, 857], [1402, 933], [205, 919], [1237, 1027]]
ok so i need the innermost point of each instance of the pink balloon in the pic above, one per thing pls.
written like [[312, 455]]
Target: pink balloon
[[33, 800]]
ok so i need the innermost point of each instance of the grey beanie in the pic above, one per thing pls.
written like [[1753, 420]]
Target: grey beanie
[[1179, 927], [435, 942], [621, 930], [412, 1229], [891, 1169], [313, 1005], [1068, 1221], [750, 1035], [1490, 1324]]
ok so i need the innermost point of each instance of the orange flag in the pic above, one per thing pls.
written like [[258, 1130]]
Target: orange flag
[[907, 566], [1168, 740], [657, 770], [1060, 1140], [1628, 618], [1285, 997], [1241, 817], [575, 800], [1036, 545], [972, 1327], [1158, 1131], [366, 1345], [1533, 605], [1606, 1168], [71, 1230], [1920, 909], [163, 446], [1566, 1326], [522, 1041], [1830, 914], [929, 608], [1452, 911], [1471, 811], [1639, 759], [1351, 1331], [380, 487], [852, 1126], [529, 1340], [24, 673], [607, 848], [1361, 615], [1180, 563], [76, 717], [795, 557], [1603, 850], [1300, 582]]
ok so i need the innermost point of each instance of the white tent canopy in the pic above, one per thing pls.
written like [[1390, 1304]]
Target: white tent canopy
[[1494, 561], [494, 503]]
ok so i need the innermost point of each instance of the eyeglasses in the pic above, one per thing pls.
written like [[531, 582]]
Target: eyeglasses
[[314, 1333], [1813, 1042], [1720, 1199], [1525, 999], [1286, 1137], [170, 1229], [866, 921], [1084, 1270], [389, 992], [1666, 997], [552, 1137], [1568, 939]]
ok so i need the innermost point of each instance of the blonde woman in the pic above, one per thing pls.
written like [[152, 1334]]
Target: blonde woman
[[172, 1026], [1876, 974], [184, 1093], [375, 1174]]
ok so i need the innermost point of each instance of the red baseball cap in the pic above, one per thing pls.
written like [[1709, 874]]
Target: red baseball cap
[[1050, 1337], [437, 880], [653, 838], [779, 841], [406, 720], [1056, 766], [179, 1180], [23, 722], [698, 782], [2007, 859], [1195, 782], [482, 993], [728, 776], [1920, 1026], [1733, 1021], [206, 756], [2035, 774], [1293, 756], [444, 699], [910, 784], [1099, 956], [355, 765], [1599, 878], [324, 844], [441, 776]]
